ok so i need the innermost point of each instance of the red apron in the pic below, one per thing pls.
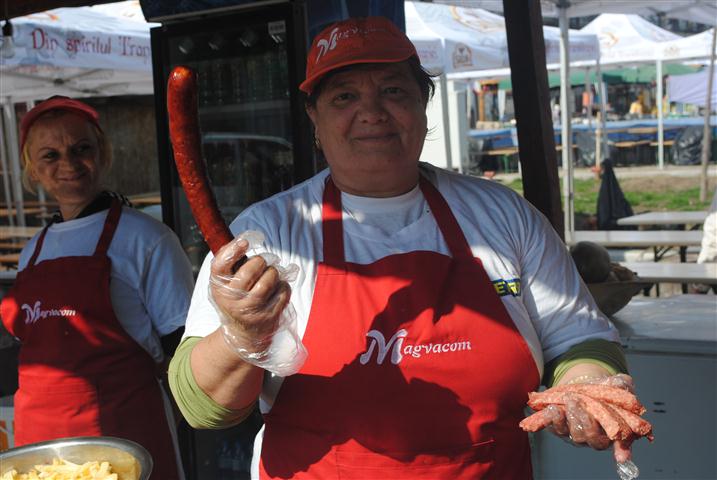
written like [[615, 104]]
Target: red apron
[[80, 373], [416, 369]]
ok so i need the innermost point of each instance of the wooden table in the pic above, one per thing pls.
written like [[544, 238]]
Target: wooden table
[[665, 218], [499, 151], [631, 143], [640, 239], [674, 272], [140, 200], [9, 260], [661, 241], [16, 246], [5, 212], [34, 203], [17, 232]]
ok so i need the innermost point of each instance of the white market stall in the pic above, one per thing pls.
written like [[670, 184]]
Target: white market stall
[[701, 11], [457, 42], [627, 39], [692, 88], [94, 51]]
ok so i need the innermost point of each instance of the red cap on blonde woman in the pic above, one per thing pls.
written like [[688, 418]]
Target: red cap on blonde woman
[[356, 40], [57, 102]]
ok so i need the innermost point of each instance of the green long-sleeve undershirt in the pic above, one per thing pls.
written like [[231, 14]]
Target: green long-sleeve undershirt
[[203, 412]]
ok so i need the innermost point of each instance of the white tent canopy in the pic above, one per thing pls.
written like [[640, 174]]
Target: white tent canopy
[[627, 38], [694, 46], [87, 51], [701, 11], [78, 52], [454, 39]]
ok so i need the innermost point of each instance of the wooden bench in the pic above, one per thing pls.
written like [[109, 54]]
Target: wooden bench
[[631, 143], [7, 232], [14, 246], [9, 260]]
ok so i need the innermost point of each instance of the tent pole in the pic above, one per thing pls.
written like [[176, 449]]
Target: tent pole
[[5, 172], [14, 157], [660, 122], [565, 114], [707, 131], [589, 107], [41, 197], [446, 121], [602, 92], [601, 137]]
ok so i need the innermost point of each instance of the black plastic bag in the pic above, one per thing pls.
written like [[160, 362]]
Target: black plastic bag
[[687, 149], [585, 140], [611, 204]]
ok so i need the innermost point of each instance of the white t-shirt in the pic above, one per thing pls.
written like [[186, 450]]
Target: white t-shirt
[[519, 249], [151, 277]]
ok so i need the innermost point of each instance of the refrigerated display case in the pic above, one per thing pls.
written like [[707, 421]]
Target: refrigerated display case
[[255, 135], [256, 142]]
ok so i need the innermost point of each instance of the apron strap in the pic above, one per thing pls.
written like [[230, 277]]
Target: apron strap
[[332, 225], [38, 246], [110, 226], [452, 232]]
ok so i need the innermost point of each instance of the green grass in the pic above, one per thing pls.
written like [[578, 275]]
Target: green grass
[[641, 196]]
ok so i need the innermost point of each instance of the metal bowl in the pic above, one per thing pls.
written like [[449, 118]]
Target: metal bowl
[[129, 460]]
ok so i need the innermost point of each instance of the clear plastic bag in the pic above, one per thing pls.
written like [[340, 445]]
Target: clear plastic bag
[[267, 334]]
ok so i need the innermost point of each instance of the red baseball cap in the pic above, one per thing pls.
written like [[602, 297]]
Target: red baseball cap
[[356, 40], [57, 102]]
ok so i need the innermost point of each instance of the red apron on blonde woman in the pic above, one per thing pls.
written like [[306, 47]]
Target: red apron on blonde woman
[[90, 304]]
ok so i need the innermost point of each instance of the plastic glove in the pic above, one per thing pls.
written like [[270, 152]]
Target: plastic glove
[[257, 320], [593, 411]]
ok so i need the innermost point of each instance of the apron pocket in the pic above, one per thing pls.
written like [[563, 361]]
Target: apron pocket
[[44, 412], [469, 463]]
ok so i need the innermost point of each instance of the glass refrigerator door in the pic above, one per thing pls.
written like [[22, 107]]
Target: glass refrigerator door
[[253, 131]]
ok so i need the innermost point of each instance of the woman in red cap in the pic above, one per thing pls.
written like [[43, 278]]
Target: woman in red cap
[[430, 303], [90, 304]]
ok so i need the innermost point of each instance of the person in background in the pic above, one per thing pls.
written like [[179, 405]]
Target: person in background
[[430, 302], [637, 107], [555, 111], [100, 298]]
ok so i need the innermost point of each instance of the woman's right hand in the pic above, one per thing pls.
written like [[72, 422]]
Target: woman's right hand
[[249, 299]]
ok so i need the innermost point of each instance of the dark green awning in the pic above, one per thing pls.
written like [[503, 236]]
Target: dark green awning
[[641, 74]]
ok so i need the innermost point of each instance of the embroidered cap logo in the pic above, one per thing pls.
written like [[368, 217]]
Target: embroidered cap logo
[[327, 45]]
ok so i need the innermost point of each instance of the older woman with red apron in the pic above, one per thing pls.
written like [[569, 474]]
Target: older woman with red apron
[[80, 372], [429, 302]]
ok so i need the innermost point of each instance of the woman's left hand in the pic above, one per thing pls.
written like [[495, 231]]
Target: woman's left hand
[[598, 412]]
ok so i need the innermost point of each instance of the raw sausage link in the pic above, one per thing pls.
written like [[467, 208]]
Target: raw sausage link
[[187, 144], [616, 396], [607, 393], [540, 419], [617, 422]]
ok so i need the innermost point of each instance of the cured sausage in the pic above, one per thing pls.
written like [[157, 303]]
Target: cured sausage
[[187, 145]]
